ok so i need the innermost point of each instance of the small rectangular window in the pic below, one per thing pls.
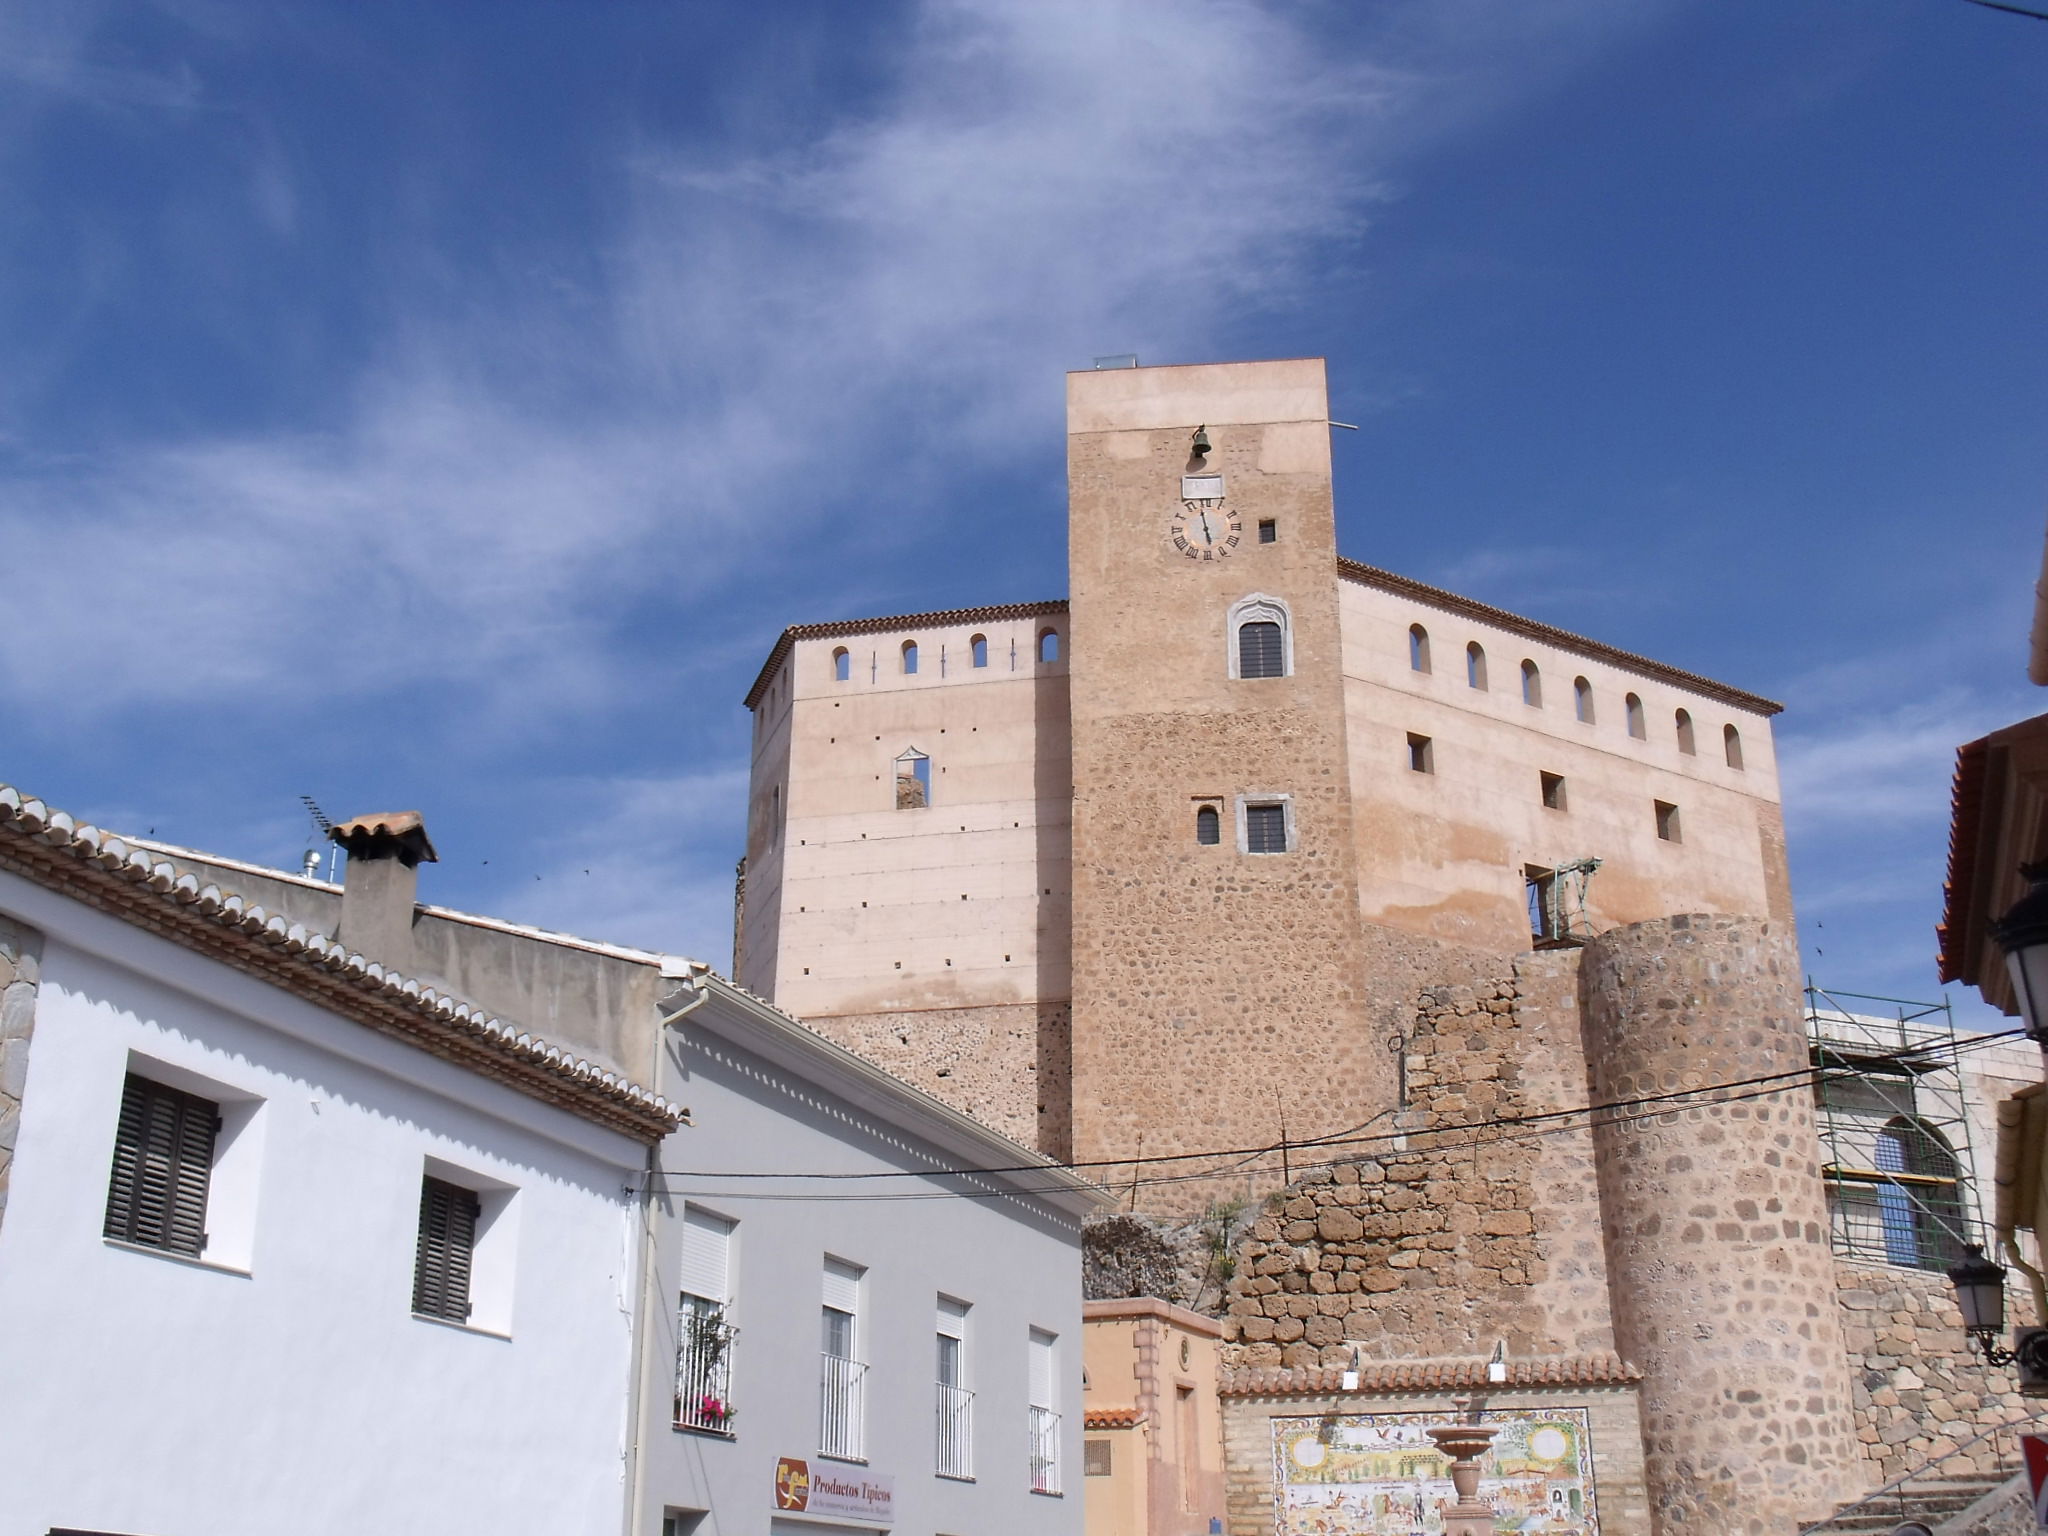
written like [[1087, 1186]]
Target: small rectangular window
[[1096, 1460], [446, 1250], [1667, 822], [1269, 533], [1265, 829], [163, 1164], [1553, 791], [1420, 756]]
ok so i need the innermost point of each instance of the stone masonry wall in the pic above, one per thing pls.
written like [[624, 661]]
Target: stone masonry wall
[[1918, 1389], [1715, 1225], [1008, 1065], [21, 951], [1460, 1238]]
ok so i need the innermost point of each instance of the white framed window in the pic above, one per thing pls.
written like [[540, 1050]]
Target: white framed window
[[705, 1334], [185, 1169], [1044, 1411], [954, 1452], [842, 1417], [1265, 823], [465, 1261], [1260, 634]]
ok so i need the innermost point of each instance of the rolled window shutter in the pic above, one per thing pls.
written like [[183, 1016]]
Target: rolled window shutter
[[842, 1286], [707, 1255], [1041, 1369], [952, 1318]]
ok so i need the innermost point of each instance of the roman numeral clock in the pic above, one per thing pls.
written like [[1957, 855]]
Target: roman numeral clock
[[1202, 529]]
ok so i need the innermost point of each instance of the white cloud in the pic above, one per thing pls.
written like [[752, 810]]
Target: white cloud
[[1045, 179]]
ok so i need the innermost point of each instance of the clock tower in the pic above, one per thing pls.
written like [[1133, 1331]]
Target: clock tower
[[1217, 938]]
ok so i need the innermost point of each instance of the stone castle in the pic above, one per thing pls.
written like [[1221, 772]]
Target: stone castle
[[1245, 844]]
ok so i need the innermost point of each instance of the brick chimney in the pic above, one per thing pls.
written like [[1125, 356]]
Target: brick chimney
[[381, 888]]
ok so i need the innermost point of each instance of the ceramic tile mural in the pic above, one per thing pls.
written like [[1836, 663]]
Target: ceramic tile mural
[[1379, 1474]]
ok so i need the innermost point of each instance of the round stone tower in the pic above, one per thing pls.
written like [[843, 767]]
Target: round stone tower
[[1716, 1225]]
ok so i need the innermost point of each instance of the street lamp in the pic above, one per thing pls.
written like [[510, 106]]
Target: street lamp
[[1980, 1294], [2023, 934]]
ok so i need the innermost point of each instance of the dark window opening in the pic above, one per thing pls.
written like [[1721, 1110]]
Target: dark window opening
[[1421, 757], [1667, 821], [1475, 666], [1731, 745], [1418, 648], [1553, 791], [447, 1244], [1265, 829], [1261, 651], [1268, 532], [1532, 685], [1582, 696], [1683, 721], [1208, 826], [163, 1161], [1637, 727]]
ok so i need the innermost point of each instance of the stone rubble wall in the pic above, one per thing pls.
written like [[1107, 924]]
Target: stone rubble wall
[[21, 952], [1009, 1065], [1917, 1388], [1461, 1238]]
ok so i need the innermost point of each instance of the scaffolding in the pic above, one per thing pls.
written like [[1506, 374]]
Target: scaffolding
[[1894, 1123]]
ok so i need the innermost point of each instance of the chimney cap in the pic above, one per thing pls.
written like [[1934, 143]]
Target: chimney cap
[[400, 835]]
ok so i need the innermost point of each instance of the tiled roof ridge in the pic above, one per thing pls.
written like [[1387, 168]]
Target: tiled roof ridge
[[993, 614], [1111, 1418], [1428, 1375], [1550, 634], [53, 849]]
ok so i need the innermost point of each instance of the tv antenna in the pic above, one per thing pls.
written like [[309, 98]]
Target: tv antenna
[[322, 825]]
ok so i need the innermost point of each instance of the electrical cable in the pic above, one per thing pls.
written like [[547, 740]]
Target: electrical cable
[[1490, 1132]]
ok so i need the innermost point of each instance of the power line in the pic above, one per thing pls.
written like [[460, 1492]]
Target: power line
[[1505, 1130]]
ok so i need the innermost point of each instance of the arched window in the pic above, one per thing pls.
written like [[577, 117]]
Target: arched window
[[1582, 698], [979, 646], [1208, 826], [1683, 720], [842, 665], [909, 658], [1418, 648], [1731, 745], [1261, 637], [1475, 666], [1637, 727], [913, 780], [1922, 1221], [1532, 685], [1048, 645]]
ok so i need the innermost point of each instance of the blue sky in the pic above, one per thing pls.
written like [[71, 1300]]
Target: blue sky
[[445, 406]]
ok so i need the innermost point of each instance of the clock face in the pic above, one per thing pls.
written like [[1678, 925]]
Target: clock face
[[1205, 532]]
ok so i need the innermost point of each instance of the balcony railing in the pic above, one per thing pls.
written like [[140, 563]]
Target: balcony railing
[[704, 1371], [1045, 1450], [956, 1432], [842, 1416]]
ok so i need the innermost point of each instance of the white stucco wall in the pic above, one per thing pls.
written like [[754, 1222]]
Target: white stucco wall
[[283, 1384], [1014, 1260]]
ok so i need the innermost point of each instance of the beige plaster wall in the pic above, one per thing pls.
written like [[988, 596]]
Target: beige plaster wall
[[1167, 1477], [965, 898], [1444, 853]]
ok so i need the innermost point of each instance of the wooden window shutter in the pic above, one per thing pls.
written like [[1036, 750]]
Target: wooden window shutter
[[440, 1276], [163, 1162]]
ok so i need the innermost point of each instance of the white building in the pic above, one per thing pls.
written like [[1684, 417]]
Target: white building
[[302, 1237], [912, 1337], [291, 1243]]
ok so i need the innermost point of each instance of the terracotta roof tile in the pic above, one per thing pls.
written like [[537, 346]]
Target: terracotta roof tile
[[107, 871], [1111, 1418], [1386, 1376]]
